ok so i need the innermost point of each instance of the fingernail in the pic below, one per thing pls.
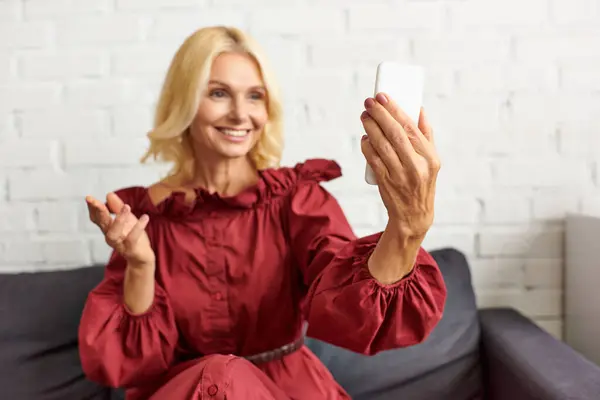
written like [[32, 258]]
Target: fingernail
[[381, 98], [369, 103], [364, 115], [364, 137]]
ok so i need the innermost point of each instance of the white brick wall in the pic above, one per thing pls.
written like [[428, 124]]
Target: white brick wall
[[512, 88]]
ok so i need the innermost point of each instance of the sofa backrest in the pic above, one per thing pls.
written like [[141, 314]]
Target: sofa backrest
[[445, 366], [40, 313]]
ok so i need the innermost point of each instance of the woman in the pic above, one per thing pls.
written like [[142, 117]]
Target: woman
[[216, 268]]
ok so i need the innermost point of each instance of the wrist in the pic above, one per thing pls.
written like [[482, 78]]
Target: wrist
[[395, 254]]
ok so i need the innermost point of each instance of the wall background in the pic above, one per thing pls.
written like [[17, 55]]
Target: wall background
[[513, 90]]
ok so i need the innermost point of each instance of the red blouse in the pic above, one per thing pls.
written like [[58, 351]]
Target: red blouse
[[239, 275]]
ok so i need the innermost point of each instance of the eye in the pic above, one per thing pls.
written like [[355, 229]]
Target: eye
[[218, 93], [257, 96]]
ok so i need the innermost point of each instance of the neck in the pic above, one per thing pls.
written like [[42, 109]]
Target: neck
[[226, 177]]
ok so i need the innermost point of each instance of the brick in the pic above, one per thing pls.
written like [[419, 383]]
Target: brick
[[24, 35], [58, 216], [461, 174], [286, 57], [68, 252], [64, 122], [35, 9], [50, 185], [456, 210], [576, 12], [530, 242], [366, 211], [180, 24], [358, 51], [23, 251], [506, 209], [490, 14], [541, 48], [107, 152], [146, 5], [552, 326], [15, 154], [132, 121], [533, 303], [10, 11], [16, 217], [292, 20], [105, 93], [542, 173], [543, 274], [131, 61], [580, 78], [100, 251], [554, 204], [112, 179], [497, 273], [508, 78], [405, 17], [3, 188], [590, 204], [542, 303], [8, 130], [65, 65], [493, 298], [454, 49], [462, 239], [7, 68], [100, 30], [27, 96]]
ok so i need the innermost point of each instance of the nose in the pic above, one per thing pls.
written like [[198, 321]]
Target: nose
[[239, 110]]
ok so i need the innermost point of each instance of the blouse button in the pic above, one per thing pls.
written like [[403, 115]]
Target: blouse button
[[213, 390], [218, 296]]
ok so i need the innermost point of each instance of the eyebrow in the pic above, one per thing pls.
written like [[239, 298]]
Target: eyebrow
[[215, 82]]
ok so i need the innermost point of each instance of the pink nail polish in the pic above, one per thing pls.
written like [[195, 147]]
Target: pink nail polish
[[364, 115], [369, 103], [364, 137], [381, 98]]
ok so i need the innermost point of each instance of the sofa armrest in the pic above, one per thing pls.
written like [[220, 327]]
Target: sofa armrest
[[523, 362]]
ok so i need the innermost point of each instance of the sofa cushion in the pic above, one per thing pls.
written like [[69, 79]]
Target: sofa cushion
[[445, 366], [40, 314]]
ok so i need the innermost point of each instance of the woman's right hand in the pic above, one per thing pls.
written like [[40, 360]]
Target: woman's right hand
[[126, 234]]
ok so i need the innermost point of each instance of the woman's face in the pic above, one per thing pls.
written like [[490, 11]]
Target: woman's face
[[233, 109]]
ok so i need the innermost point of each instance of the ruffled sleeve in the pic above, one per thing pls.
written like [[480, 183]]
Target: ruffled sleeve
[[345, 305], [120, 349]]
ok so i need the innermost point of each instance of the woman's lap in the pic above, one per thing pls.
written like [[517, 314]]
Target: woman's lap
[[220, 377]]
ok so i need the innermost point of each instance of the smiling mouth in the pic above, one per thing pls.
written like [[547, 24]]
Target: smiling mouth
[[234, 132]]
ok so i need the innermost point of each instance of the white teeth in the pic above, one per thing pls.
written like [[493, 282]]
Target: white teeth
[[234, 132]]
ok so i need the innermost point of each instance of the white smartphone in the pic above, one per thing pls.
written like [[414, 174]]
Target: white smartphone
[[404, 83]]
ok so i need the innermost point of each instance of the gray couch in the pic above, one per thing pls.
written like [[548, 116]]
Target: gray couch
[[472, 354]]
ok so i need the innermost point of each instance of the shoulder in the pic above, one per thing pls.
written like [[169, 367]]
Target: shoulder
[[314, 171]]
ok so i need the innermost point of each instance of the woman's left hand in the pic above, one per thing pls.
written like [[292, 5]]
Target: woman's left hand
[[404, 159]]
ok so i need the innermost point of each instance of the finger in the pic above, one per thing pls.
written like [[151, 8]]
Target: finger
[[373, 159], [414, 135], [392, 130], [381, 144], [98, 213], [114, 203], [425, 127], [138, 229], [116, 233]]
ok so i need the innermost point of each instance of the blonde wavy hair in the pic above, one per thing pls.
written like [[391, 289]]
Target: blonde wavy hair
[[186, 80]]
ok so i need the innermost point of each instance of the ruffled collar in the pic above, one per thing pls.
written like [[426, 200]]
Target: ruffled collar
[[272, 183]]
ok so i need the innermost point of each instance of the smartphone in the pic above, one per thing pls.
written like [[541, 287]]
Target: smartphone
[[404, 83]]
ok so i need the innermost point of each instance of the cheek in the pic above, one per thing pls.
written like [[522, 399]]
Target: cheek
[[260, 117]]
